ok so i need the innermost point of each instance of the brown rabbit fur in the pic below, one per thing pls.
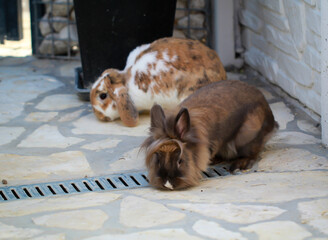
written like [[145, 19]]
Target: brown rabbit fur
[[165, 72], [226, 120]]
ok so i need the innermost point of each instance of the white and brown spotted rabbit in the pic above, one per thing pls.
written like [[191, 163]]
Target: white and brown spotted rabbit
[[163, 72], [226, 120]]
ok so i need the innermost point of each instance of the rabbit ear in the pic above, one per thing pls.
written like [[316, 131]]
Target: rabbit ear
[[157, 117], [109, 87], [126, 109], [182, 123], [114, 76]]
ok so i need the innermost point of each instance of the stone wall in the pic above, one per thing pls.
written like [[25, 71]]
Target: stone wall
[[282, 41], [198, 25], [58, 28]]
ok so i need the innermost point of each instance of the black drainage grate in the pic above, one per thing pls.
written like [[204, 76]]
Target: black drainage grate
[[91, 184]]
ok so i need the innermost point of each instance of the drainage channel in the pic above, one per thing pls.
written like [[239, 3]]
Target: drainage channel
[[91, 184]]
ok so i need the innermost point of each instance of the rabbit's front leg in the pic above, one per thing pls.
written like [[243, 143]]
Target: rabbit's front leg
[[126, 108]]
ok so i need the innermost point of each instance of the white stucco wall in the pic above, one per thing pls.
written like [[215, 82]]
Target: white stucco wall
[[224, 38], [282, 41], [324, 74], [224, 43]]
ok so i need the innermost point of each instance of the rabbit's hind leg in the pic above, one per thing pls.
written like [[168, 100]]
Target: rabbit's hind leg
[[250, 139], [249, 152], [247, 155]]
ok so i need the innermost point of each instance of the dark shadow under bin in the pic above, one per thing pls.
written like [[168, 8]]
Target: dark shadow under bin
[[109, 29]]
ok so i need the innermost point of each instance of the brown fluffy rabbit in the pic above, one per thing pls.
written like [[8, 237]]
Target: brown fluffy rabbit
[[163, 72], [226, 120]]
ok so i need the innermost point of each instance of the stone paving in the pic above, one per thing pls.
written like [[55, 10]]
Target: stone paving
[[48, 134]]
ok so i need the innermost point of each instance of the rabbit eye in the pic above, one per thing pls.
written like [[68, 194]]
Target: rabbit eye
[[157, 157], [103, 96], [179, 162]]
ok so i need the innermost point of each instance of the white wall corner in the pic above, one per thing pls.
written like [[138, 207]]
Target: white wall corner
[[223, 28], [324, 71]]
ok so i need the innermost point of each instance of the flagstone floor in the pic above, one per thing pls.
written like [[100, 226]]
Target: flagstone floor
[[48, 134]]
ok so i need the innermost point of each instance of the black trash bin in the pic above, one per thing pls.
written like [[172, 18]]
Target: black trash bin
[[109, 29]]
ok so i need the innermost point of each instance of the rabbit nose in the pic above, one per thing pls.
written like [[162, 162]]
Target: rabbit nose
[[168, 185]]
